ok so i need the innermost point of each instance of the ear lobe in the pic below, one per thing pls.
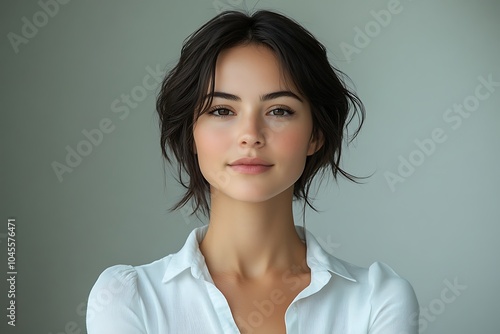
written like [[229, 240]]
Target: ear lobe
[[315, 144]]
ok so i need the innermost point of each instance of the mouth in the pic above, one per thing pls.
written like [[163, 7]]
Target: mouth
[[250, 168], [250, 165], [250, 162]]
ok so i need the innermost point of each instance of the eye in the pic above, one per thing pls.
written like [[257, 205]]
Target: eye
[[282, 112], [219, 111]]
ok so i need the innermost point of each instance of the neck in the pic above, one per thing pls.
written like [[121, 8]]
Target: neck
[[250, 241]]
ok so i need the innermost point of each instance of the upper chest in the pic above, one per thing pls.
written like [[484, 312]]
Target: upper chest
[[260, 307]]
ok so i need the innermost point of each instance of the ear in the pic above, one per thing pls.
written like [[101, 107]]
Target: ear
[[315, 144], [193, 148]]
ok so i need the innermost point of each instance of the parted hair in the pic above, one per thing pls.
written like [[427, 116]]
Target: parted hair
[[182, 97]]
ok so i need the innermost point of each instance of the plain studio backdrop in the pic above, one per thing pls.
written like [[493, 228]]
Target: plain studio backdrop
[[82, 173]]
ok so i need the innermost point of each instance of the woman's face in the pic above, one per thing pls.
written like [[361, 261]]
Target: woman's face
[[253, 115]]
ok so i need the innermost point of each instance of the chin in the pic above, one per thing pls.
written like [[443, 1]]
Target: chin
[[252, 194]]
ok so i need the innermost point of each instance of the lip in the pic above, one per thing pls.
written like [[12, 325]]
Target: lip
[[250, 161], [250, 169], [250, 165]]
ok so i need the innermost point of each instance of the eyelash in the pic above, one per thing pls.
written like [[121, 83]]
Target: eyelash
[[216, 108]]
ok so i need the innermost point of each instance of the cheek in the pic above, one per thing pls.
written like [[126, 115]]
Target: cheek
[[291, 152], [207, 136], [292, 143], [211, 145]]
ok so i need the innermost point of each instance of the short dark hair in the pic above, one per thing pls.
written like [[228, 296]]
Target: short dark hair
[[304, 60]]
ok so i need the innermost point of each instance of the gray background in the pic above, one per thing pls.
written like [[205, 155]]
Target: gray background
[[441, 224]]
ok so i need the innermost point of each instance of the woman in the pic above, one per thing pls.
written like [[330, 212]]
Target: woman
[[252, 111]]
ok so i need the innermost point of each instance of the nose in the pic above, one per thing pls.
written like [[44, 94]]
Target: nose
[[252, 133]]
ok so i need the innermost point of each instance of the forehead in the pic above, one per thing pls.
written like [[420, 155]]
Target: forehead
[[251, 66]]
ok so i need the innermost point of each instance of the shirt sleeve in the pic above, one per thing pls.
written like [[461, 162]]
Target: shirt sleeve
[[114, 305], [394, 305]]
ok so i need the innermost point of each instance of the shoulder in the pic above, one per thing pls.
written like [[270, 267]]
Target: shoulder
[[390, 289], [379, 278], [392, 299], [121, 281], [114, 290], [381, 281], [384, 281], [389, 299], [116, 302], [115, 280]]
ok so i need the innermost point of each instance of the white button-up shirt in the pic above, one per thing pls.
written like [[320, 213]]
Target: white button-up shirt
[[177, 295]]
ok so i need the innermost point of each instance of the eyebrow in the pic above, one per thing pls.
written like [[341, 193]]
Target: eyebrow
[[265, 97]]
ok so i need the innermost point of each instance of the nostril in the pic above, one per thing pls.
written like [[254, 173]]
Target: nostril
[[251, 140]]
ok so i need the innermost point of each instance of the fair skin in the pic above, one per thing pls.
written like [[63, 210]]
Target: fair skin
[[251, 243]]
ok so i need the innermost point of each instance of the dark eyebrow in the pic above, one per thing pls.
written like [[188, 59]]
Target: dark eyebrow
[[265, 97], [275, 95]]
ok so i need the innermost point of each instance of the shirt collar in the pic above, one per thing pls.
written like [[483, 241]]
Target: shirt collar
[[190, 256]]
